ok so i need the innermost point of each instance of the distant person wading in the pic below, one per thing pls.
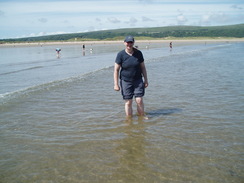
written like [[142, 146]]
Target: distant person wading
[[58, 50]]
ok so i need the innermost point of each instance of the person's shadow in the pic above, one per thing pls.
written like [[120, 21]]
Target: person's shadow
[[161, 112]]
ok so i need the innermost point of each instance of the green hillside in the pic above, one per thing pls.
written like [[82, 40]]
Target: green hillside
[[236, 31]]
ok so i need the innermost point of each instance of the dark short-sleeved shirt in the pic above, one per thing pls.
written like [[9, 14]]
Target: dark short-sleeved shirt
[[130, 65]]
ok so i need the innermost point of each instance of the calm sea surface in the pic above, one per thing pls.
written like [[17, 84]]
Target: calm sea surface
[[61, 120]]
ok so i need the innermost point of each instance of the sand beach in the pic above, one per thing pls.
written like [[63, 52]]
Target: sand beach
[[180, 41]]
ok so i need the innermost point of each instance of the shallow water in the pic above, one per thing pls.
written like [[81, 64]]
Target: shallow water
[[70, 127]]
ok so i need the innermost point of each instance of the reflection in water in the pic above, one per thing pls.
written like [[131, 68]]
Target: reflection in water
[[131, 154]]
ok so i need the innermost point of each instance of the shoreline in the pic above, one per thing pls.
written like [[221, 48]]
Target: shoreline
[[187, 40]]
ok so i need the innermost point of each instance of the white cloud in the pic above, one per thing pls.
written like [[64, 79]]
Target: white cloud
[[113, 20], [213, 18], [205, 20], [146, 19], [42, 20], [66, 21], [47, 33], [181, 19], [1, 13], [133, 21], [236, 7], [98, 19]]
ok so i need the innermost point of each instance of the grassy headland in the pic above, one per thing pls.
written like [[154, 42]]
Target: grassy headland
[[155, 33]]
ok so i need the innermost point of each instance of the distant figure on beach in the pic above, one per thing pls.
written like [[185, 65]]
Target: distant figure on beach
[[58, 50], [147, 46], [170, 45], [83, 50], [130, 68]]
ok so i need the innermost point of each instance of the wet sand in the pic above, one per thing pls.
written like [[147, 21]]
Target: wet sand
[[182, 41]]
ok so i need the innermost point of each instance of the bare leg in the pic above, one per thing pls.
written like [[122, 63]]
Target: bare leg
[[140, 107], [128, 108]]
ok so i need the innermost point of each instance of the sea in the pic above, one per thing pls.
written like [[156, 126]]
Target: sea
[[62, 122]]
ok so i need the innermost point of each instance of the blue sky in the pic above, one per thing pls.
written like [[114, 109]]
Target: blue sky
[[24, 18]]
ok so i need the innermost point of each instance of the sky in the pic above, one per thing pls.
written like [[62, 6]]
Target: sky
[[25, 18]]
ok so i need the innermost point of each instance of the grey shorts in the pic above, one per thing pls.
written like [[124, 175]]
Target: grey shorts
[[132, 88]]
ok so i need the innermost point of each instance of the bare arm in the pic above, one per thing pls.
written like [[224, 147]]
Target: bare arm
[[116, 77], [144, 73]]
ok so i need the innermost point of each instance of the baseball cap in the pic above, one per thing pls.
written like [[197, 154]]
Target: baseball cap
[[129, 39]]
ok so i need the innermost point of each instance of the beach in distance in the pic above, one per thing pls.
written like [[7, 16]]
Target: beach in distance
[[165, 40], [62, 121]]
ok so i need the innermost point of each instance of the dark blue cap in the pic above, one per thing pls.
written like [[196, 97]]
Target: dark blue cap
[[129, 39]]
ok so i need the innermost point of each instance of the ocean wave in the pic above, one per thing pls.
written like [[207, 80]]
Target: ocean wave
[[187, 51], [21, 70], [9, 96]]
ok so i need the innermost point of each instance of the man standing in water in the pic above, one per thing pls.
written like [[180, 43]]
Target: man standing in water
[[130, 63]]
